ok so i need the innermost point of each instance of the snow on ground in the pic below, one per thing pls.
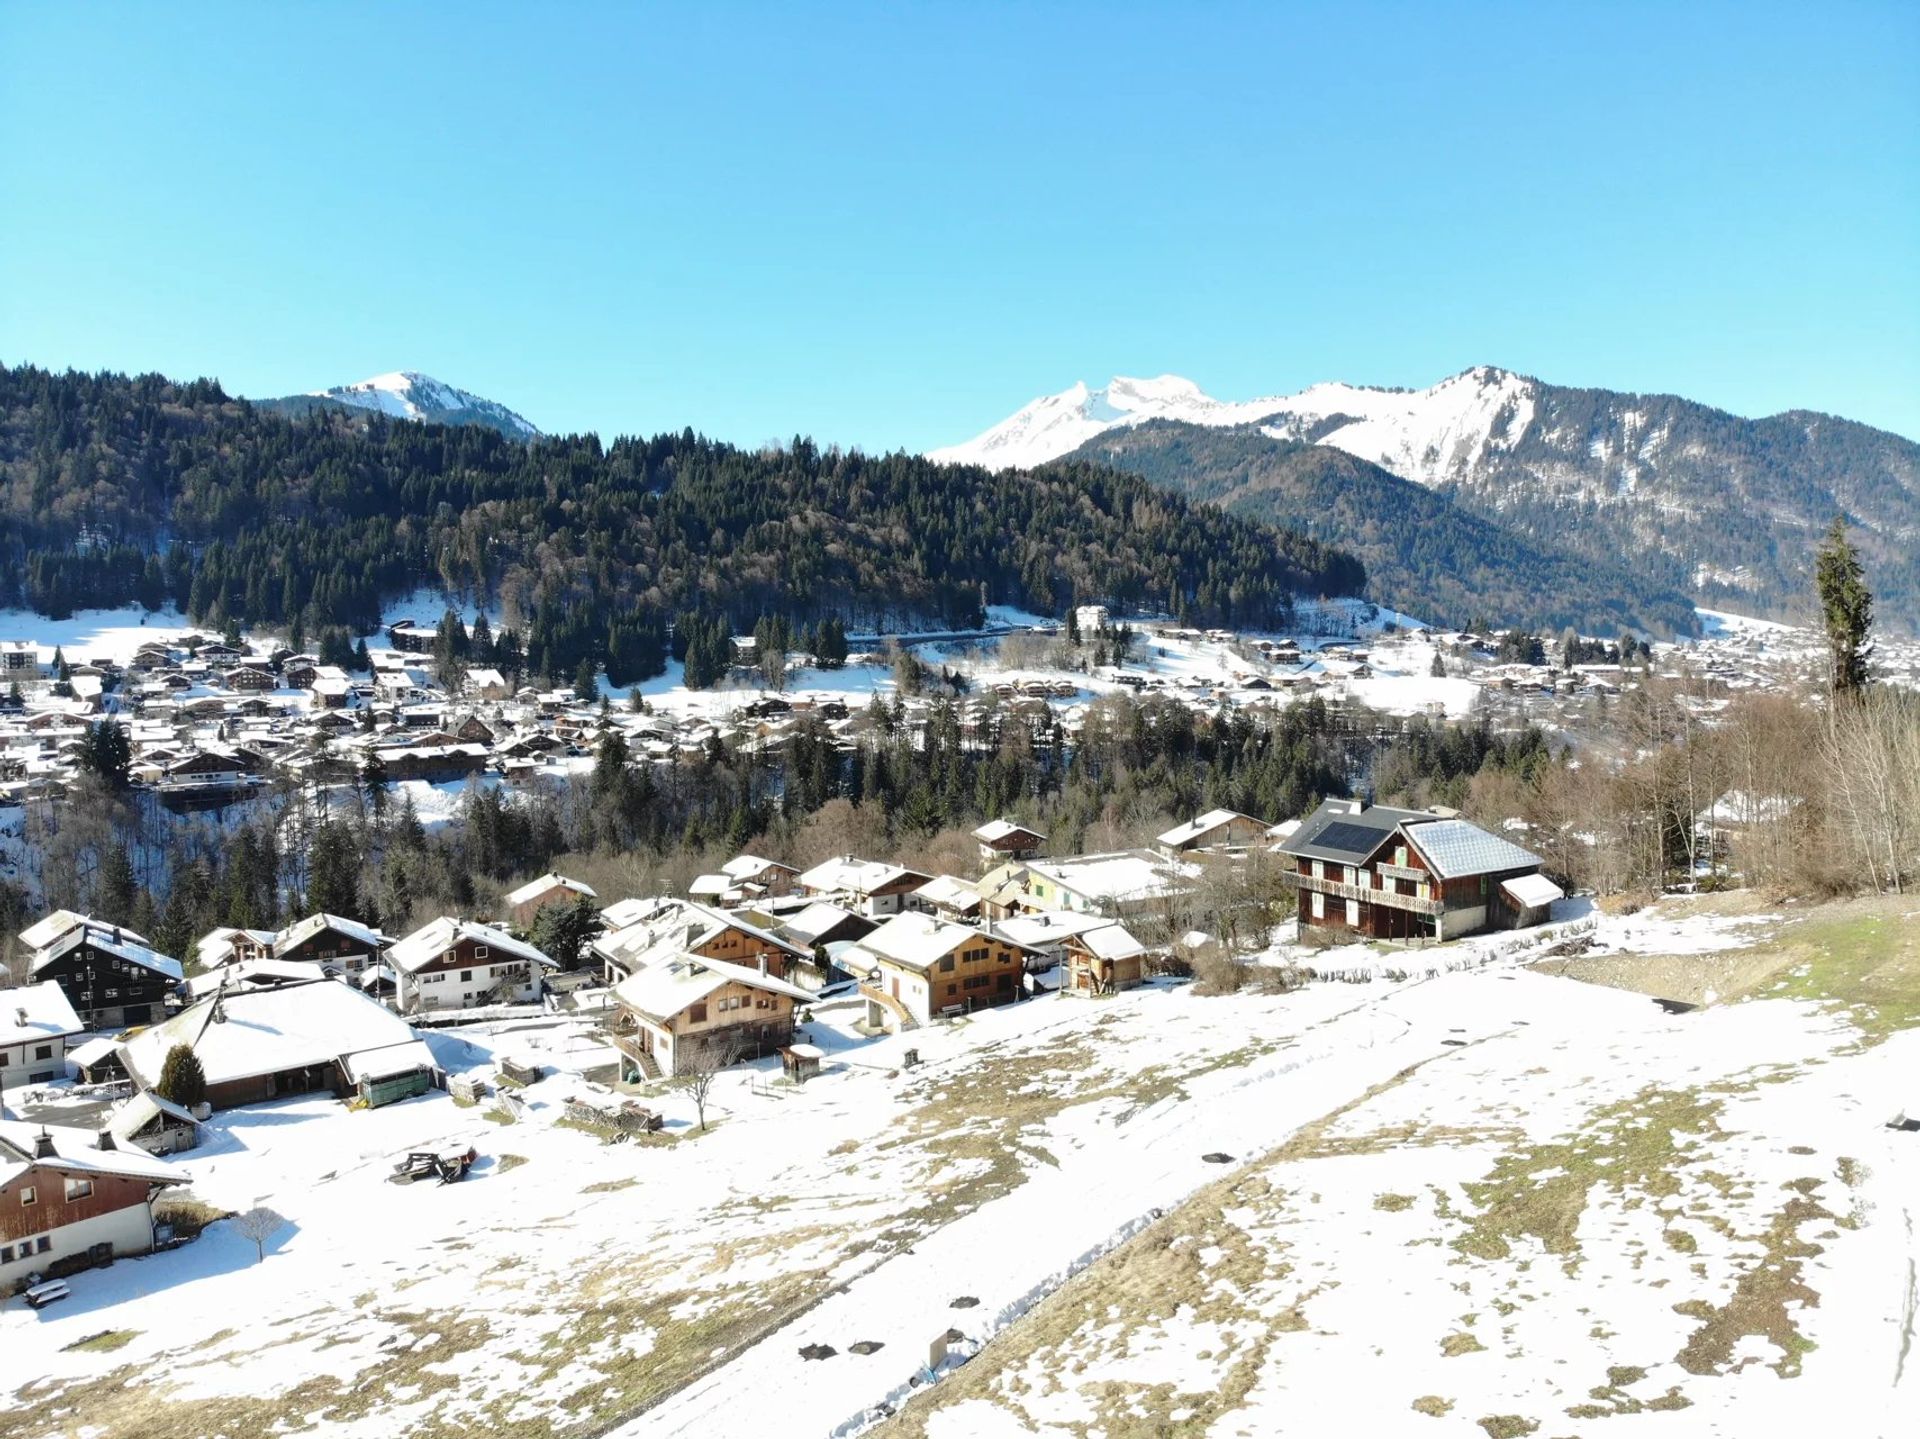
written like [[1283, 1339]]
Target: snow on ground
[[95, 634], [1385, 1249]]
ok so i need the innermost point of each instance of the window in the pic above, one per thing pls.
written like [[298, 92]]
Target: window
[[1319, 905], [466, 975], [946, 966], [42, 1244], [1353, 912], [1319, 869], [696, 1014], [1400, 855], [44, 1051], [480, 951], [6, 1254], [79, 1189], [29, 1195], [1353, 875], [978, 981]]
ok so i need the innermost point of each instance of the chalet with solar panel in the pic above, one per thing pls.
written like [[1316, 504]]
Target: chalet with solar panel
[[1372, 872]]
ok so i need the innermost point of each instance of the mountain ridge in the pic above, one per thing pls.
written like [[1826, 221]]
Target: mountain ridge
[[1693, 498], [412, 395]]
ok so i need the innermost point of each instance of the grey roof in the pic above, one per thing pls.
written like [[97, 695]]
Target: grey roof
[[1457, 847], [1336, 832]]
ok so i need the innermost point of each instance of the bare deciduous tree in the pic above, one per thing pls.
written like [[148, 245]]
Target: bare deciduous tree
[[696, 1071], [259, 1224]]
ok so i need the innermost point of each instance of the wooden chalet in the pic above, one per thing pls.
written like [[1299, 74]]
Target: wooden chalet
[[70, 1198], [528, 900], [923, 967], [341, 944], [672, 1017], [1371, 872], [108, 974], [458, 964]]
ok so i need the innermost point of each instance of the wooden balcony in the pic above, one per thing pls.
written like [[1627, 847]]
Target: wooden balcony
[[1373, 896]]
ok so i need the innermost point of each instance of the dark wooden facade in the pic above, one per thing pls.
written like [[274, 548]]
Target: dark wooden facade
[[107, 991]]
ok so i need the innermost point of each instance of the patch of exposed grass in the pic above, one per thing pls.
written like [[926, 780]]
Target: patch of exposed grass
[[1393, 1203], [1540, 1191], [509, 1162], [1454, 1345], [1869, 962], [610, 1186], [105, 1342], [1433, 1406], [1765, 1297], [1508, 1426]]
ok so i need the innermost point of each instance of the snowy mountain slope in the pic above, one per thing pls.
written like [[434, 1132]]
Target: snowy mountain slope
[[410, 395], [1431, 435], [1691, 497]]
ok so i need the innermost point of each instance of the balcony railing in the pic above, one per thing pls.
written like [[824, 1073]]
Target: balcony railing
[[1373, 896]]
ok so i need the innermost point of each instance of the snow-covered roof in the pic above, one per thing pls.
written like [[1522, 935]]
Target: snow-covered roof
[[140, 1111], [217, 946], [430, 941], [253, 973], [995, 830], [948, 892], [1049, 928], [856, 876], [1457, 847], [710, 886], [664, 990], [265, 1030], [533, 889], [401, 1058], [749, 866], [36, 1012], [673, 926], [1531, 891], [109, 940], [918, 940], [301, 931], [815, 920], [1127, 874], [1112, 941], [76, 1151], [39, 936], [1200, 825]]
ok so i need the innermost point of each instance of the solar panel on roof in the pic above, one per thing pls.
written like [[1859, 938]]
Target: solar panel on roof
[[1353, 838]]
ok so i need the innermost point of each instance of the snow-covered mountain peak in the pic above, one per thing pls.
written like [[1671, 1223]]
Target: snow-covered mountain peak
[[1429, 435], [411, 395]]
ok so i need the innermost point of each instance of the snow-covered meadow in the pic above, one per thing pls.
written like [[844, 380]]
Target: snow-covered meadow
[[1410, 1206]]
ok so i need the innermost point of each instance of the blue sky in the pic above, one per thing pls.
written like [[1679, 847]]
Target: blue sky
[[890, 225]]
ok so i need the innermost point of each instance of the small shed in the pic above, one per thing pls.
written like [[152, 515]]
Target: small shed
[[156, 1125], [1530, 898], [97, 1061], [390, 1074], [801, 1062]]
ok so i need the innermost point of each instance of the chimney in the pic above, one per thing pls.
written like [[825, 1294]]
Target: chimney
[[43, 1145], [105, 1140]]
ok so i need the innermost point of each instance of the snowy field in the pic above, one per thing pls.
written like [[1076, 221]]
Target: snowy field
[[1488, 1195]]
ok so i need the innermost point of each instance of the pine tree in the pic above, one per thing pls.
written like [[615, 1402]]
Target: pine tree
[[333, 871], [182, 1079], [118, 887], [1846, 609]]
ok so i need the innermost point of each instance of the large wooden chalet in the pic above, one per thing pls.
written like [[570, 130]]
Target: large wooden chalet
[[109, 974], [1371, 872]]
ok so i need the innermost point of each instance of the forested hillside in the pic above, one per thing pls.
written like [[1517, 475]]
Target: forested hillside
[[121, 489], [1424, 554]]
